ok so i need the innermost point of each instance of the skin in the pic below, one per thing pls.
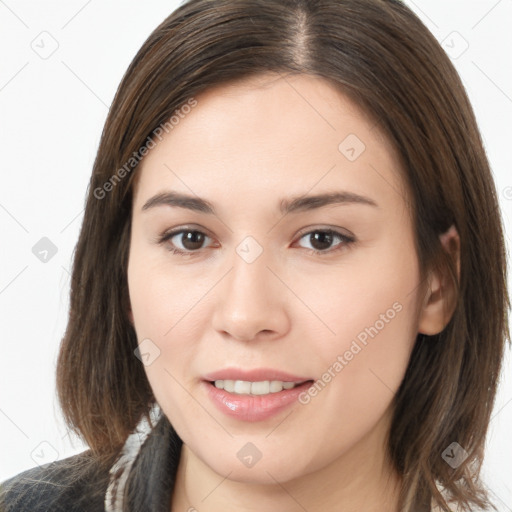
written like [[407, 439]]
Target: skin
[[244, 147]]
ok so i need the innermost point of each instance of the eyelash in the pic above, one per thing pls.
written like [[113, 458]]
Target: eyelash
[[345, 239]]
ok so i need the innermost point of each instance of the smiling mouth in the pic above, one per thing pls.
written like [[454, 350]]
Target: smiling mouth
[[266, 387]]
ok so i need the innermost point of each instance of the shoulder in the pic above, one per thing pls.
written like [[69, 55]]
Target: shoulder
[[66, 485]]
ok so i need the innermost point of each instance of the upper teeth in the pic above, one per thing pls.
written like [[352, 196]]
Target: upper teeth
[[243, 387]]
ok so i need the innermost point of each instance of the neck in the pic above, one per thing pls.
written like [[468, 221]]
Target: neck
[[360, 479]]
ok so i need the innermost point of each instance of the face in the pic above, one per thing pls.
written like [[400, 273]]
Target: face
[[252, 280]]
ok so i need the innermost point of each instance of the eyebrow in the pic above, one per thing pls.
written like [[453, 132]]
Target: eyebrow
[[289, 205]]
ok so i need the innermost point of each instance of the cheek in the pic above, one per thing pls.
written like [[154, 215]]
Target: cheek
[[372, 316], [164, 314], [166, 306], [161, 296], [362, 365], [371, 295]]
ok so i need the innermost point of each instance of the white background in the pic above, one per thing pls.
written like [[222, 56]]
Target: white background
[[51, 115]]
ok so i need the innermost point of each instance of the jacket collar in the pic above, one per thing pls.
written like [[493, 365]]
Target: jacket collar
[[143, 476]]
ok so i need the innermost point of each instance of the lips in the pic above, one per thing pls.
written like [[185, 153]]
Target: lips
[[250, 407]]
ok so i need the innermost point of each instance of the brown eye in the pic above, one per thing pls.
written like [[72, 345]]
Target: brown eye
[[184, 241], [192, 240], [321, 240]]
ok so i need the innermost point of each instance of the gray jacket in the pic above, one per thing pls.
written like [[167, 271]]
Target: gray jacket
[[76, 484]]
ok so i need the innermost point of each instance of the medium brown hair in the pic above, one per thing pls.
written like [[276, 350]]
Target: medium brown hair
[[378, 53]]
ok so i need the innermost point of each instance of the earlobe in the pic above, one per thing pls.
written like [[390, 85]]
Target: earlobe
[[441, 296]]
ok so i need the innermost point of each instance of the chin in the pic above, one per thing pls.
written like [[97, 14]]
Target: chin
[[260, 474], [277, 466]]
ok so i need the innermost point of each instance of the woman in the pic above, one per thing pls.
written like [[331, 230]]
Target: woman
[[289, 290]]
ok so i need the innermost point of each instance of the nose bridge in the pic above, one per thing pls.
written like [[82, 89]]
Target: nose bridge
[[250, 301], [249, 284]]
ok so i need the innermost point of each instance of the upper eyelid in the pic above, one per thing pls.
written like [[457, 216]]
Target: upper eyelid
[[303, 231], [312, 229]]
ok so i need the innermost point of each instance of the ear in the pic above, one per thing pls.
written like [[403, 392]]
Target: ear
[[441, 296]]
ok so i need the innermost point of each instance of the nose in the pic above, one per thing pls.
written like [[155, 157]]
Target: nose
[[251, 301]]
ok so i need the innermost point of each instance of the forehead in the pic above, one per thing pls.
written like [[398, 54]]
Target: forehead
[[267, 134]]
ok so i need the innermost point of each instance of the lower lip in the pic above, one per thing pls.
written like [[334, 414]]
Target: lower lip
[[254, 407]]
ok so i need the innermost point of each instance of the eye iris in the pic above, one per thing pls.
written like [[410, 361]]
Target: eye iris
[[192, 240], [321, 240]]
